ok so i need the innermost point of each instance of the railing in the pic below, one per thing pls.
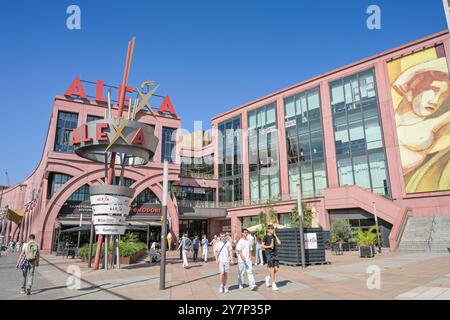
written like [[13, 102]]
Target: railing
[[198, 175], [196, 204], [401, 227]]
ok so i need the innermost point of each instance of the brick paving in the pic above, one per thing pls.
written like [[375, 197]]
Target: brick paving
[[403, 276]]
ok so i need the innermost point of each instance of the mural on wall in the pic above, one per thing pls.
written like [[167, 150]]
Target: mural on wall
[[420, 89]]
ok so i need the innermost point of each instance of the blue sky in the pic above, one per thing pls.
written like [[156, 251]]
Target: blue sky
[[209, 55]]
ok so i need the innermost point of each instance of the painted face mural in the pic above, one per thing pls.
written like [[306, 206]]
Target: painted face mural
[[420, 89]]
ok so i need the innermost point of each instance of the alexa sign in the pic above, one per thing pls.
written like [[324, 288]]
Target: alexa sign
[[77, 90]]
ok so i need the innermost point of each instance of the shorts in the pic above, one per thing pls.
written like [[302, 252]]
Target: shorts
[[224, 267], [272, 261]]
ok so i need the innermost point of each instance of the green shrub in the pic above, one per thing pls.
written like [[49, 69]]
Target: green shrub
[[341, 231], [126, 249], [366, 238]]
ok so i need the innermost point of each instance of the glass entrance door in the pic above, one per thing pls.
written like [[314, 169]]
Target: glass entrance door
[[193, 227]]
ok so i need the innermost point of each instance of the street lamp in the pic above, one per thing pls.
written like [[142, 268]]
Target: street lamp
[[300, 224], [162, 269], [376, 223]]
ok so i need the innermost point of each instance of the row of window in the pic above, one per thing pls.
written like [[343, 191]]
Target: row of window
[[67, 121], [357, 134]]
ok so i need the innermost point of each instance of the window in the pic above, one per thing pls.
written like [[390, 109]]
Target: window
[[82, 194], [55, 182], [303, 122], [357, 132], [146, 196], [201, 167], [66, 123], [168, 145], [230, 161], [263, 154], [93, 118]]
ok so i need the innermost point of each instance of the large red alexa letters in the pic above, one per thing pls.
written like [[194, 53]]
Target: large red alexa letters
[[101, 135], [76, 89]]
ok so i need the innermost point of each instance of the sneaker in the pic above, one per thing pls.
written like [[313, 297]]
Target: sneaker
[[253, 287], [274, 286], [221, 289], [267, 281], [28, 292], [22, 291], [241, 287], [225, 290], [261, 264]]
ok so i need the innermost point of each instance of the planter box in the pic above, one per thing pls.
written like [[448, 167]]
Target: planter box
[[366, 252], [123, 260], [289, 251]]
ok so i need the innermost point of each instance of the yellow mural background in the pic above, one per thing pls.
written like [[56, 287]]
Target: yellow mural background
[[434, 173]]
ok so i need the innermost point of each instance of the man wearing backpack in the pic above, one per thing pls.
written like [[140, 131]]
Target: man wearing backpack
[[28, 261], [185, 247]]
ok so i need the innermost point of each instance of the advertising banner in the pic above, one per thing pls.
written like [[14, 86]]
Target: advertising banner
[[310, 240], [420, 89]]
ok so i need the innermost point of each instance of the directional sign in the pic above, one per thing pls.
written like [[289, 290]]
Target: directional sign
[[110, 209], [108, 220], [110, 230], [107, 199]]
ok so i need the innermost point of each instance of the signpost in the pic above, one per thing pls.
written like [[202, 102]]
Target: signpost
[[119, 140], [300, 220]]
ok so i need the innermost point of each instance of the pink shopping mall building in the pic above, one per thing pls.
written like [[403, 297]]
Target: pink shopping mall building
[[373, 135]]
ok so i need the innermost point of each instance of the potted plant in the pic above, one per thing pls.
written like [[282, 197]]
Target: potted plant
[[340, 233], [366, 241]]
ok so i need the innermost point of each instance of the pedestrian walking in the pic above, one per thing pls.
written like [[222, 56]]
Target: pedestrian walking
[[180, 240], [205, 248], [251, 242], [258, 252], [185, 247], [222, 253], [196, 247], [28, 261], [243, 249], [270, 245]]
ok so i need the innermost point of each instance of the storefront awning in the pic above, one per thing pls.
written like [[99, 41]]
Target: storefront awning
[[15, 215], [144, 223]]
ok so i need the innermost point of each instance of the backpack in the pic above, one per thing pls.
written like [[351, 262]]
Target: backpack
[[32, 251], [187, 244]]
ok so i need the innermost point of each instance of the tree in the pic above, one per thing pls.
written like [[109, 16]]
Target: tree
[[267, 216], [340, 231], [307, 216]]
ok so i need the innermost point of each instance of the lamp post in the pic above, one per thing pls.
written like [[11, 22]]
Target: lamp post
[[376, 223], [162, 269], [300, 224]]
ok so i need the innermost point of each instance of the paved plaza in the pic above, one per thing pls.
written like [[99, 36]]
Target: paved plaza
[[402, 276]]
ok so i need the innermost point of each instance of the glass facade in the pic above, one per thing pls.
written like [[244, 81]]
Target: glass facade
[[67, 121], [304, 143], [168, 145], [250, 221], [194, 196], [82, 194], [200, 167], [55, 182], [357, 133], [263, 154], [146, 196], [93, 118], [230, 161]]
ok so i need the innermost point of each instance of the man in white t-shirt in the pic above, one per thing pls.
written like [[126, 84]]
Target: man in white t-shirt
[[222, 252], [243, 249]]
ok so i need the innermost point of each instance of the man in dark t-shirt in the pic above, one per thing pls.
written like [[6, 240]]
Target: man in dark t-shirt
[[270, 243]]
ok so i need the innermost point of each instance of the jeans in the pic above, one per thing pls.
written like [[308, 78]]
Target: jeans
[[205, 253], [245, 267], [259, 256], [28, 275], [185, 261], [195, 254]]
